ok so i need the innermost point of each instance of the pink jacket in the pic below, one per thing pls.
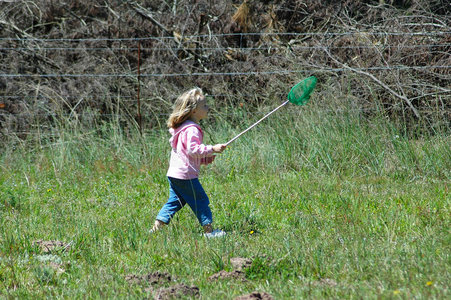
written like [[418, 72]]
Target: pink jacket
[[188, 153]]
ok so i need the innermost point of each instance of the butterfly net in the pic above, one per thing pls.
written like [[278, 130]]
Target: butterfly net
[[300, 93]]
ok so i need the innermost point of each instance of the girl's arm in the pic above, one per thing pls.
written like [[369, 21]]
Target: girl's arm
[[194, 145]]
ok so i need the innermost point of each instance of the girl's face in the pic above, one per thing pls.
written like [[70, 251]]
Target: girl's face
[[201, 111]]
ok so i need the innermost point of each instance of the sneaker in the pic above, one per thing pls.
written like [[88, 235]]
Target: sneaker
[[215, 234]]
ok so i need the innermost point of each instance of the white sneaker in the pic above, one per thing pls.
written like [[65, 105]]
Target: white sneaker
[[215, 234]]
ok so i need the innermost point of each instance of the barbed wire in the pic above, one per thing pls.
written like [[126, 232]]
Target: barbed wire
[[419, 33], [114, 97], [151, 115], [244, 49], [280, 72], [132, 98], [128, 98]]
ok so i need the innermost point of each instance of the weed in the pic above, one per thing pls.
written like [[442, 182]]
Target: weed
[[333, 209]]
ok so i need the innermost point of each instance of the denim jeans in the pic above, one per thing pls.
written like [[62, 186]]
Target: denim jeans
[[182, 192]]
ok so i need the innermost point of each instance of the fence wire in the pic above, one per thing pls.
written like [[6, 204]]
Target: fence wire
[[280, 72], [203, 39], [250, 34]]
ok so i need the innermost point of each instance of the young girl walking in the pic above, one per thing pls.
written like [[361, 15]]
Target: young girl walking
[[187, 155]]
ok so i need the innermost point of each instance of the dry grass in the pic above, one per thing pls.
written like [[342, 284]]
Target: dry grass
[[32, 103]]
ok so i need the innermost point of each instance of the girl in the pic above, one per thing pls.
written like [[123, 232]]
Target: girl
[[187, 154]]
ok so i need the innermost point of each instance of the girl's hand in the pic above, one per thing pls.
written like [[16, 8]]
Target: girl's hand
[[218, 148]]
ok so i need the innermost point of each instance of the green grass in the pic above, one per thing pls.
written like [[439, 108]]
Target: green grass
[[326, 206]]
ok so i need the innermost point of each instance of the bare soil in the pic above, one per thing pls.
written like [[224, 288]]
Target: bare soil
[[157, 282], [222, 275], [47, 247], [255, 296], [177, 291], [325, 282], [240, 263]]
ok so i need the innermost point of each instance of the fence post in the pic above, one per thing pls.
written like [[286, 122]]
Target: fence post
[[138, 90]]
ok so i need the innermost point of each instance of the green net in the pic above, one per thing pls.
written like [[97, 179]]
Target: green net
[[300, 93]]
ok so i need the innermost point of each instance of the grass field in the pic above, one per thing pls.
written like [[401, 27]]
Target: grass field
[[325, 206]]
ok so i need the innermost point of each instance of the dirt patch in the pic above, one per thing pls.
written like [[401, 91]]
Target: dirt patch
[[47, 247], [177, 291], [151, 278], [156, 279], [325, 282], [255, 296], [228, 275], [240, 263]]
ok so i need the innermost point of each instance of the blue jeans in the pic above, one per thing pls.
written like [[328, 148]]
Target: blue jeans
[[182, 192]]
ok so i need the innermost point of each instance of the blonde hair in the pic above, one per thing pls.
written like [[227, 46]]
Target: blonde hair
[[184, 106]]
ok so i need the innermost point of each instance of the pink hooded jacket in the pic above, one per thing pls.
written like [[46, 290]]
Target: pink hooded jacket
[[188, 153]]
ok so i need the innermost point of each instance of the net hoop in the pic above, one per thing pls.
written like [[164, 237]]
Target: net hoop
[[300, 93]]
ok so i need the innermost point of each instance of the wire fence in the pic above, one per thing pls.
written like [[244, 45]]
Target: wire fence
[[243, 34], [307, 71], [217, 48], [205, 43]]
